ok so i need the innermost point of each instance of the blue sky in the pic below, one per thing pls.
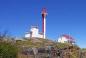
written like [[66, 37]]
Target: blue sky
[[64, 17]]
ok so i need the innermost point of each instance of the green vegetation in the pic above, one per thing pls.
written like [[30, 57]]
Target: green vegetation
[[34, 43], [7, 50], [83, 49], [45, 42], [10, 48]]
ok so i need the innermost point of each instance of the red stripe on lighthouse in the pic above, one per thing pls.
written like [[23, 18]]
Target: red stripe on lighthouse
[[43, 23]]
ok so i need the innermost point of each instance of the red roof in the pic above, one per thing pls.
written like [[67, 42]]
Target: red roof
[[71, 39], [68, 37]]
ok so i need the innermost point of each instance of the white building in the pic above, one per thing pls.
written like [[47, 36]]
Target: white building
[[34, 33], [66, 39]]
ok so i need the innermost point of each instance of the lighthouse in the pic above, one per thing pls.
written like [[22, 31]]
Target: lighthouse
[[44, 14], [34, 31]]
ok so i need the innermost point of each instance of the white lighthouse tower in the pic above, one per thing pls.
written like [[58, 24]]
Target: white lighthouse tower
[[44, 13]]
